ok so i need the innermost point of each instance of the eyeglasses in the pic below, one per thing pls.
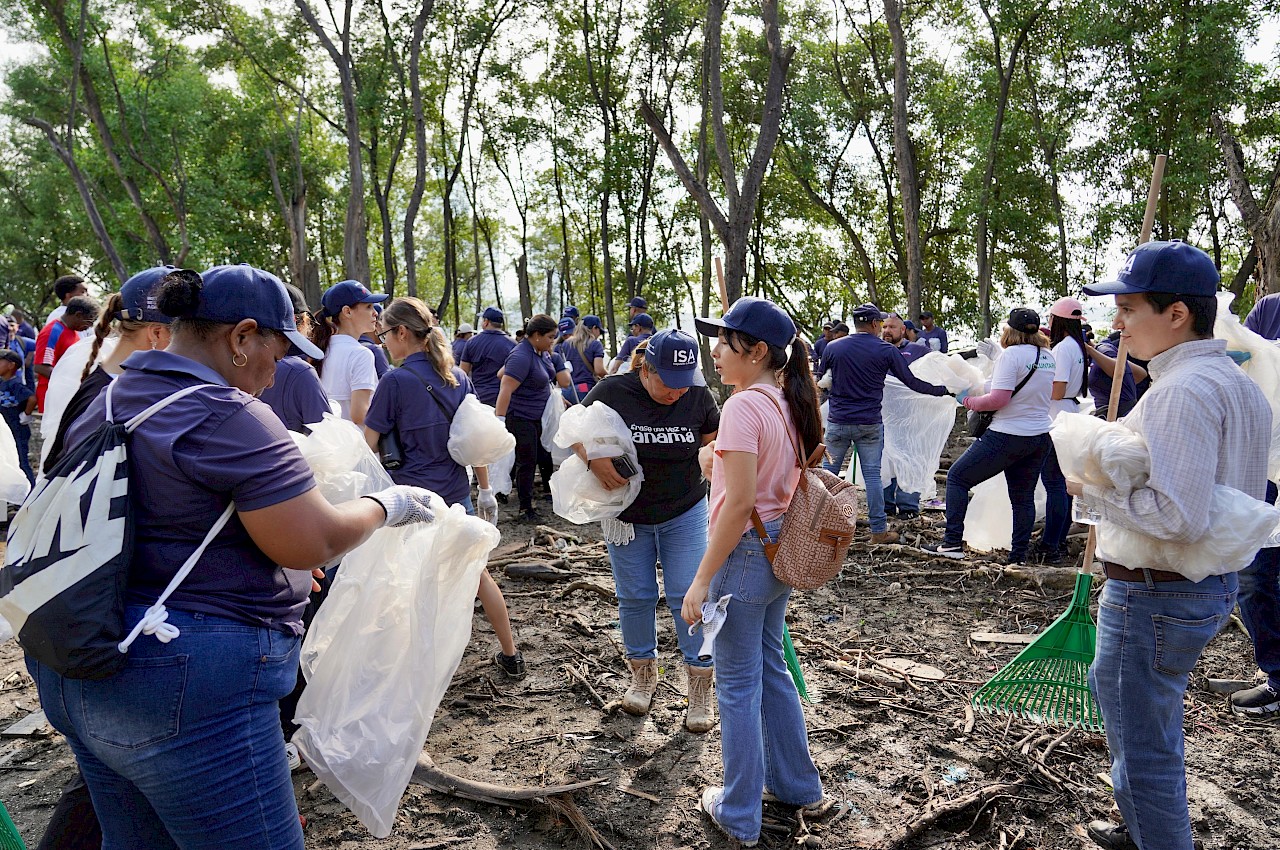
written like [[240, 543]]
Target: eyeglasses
[[382, 335]]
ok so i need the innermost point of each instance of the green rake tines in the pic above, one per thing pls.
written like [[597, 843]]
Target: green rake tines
[[1048, 681], [9, 837]]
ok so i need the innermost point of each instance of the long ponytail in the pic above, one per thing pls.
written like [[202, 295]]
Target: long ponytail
[[102, 330], [798, 386], [322, 330], [1061, 328], [413, 314]]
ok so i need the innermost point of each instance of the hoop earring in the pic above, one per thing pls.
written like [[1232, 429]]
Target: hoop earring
[[242, 362]]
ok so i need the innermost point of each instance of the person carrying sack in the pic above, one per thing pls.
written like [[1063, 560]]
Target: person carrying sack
[[753, 467]]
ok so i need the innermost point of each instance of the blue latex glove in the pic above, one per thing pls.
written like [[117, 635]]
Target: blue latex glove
[[1239, 356], [961, 396]]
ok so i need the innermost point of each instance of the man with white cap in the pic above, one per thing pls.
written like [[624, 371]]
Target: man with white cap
[[460, 337]]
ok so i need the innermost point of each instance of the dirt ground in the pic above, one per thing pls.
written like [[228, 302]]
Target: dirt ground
[[890, 750]]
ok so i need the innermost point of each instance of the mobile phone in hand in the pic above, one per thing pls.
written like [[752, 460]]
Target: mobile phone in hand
[[623, 466]]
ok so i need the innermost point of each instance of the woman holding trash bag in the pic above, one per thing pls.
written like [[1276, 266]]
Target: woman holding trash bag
[[348, 371], [419, 401], [1015, 442], [1070, 381], [670, 419], [522, 397], [753, 466], [183, 747]]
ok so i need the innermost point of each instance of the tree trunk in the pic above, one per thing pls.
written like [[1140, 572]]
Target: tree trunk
[[602, 97], [419, 150], [1262, 222], [904, 154]]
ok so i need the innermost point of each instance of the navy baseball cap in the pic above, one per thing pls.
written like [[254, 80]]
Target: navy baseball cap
[[1173, 267], [139, 296], [869, 313], [908, 324], [638, 302], [299, 300], [11, 355], [348, 293], [566, 326], [673, 354], [492, 314], [570, 311], [231, 294], [592, 322], [755, 317], [644, 320], [1024, 319]]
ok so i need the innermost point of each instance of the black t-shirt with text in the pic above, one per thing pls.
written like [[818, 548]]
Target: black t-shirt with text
[[667, 438]]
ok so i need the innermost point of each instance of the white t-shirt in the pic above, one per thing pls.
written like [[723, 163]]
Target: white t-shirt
[[348, 366], [1069, 370], [1027, 413]]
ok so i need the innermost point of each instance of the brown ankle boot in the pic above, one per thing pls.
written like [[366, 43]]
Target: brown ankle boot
[[885, 537], [644, 681], [700, 716]]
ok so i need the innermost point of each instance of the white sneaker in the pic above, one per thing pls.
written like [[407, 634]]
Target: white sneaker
[[710, 799], [294, 757]]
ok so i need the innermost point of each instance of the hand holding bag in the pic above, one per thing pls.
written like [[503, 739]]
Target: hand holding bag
[[978, 421]]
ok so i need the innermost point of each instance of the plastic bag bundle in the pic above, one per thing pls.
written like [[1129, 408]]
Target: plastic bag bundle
[[989, 523], [916, 428], [63, 384], [1262, 367], [500, 473], [382, 650], [1239, 525], [576, 494], [551, 415], [1104, 454], [477, 437], [14, 486], [949, 370]]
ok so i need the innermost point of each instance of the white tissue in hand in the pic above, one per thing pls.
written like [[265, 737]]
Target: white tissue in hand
[[713, 615]]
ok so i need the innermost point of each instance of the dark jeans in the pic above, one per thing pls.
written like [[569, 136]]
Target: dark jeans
[[22, 437], [1057, 508], [528, 434], [1020, 459], [1260, 605]]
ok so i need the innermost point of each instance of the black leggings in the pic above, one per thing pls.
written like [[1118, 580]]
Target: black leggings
[[528, 434]]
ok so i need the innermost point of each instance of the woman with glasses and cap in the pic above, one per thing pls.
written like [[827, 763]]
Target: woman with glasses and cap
[[348, 371], [183, 747], [1070, 381], [1015, 442], [583, 353], [297, 396], [763, 742], [671, 418]]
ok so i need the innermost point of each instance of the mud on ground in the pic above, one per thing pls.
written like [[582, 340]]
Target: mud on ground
[[890, 749]]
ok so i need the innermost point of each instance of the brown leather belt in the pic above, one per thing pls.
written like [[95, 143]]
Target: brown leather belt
[[1123, 573]]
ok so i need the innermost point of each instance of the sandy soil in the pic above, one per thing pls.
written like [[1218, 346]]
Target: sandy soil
[[888, 750]]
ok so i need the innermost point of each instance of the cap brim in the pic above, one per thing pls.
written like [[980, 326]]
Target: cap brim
[[304, 345], [374, 298], [710, 327], [676, 379], [1111, 287]]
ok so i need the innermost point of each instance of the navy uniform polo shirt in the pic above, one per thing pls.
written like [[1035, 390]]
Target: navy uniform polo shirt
[[297, 396], [486, 352], [401, 402], [535, 373], [582, 371], [380, 364], [911, 350], [861, 361], [629, 345], [187, 462]]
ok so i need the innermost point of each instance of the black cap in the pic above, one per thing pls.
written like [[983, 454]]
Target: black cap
[[1024, 319]]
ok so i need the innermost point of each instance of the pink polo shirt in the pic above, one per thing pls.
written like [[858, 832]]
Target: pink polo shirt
[[750, 423]]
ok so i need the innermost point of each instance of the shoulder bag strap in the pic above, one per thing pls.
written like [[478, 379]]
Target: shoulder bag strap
[[431, 392], [1030, 372], [756, 522]]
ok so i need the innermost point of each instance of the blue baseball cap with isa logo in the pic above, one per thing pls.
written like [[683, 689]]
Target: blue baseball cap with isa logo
[[673, 354], [1172, 267], [230, 294], [348, 293]]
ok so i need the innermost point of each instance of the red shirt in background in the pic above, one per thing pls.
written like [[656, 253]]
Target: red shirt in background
[[51, 344]]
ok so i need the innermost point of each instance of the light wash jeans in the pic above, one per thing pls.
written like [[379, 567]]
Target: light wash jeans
[[183, 748], [763, 741], [1150, 635], [869, 440], [678, 544]]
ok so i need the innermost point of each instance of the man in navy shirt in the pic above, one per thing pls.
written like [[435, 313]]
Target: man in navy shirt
[[484, 354], [859, 364], [641, 329], [929, 332]]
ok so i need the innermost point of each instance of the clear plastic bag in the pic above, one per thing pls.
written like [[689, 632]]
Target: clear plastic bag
[[916, 428], [477, 437], [576, 494], [1104, 454], [500, 473], [63, 384], [551, 413], [1262, 367], [14, 486], [382, 650], [1239, 525], [989, 523]]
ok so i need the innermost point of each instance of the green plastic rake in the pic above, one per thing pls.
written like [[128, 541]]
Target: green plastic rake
[[793, 664], [9, 837]]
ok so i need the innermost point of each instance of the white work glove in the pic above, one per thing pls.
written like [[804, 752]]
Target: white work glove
[[25, 418], [487, 506], [501, 419], [404, 505]]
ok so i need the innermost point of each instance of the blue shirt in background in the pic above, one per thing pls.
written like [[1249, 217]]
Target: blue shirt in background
[[923, 337], [297, 396], [380, 364], [911, 350], [860, 363], [401, 402], [582, 371], [486, 352], [629, 346], [15, 391], [1100, 382], [1264, 318], [535, 373]]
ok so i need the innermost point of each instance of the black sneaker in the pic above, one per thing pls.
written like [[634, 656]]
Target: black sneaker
[[531, 516], [512, 665], [501, 497], [890, 511], [956, 553], [1262, 701], [1112, 836], [908, 514]]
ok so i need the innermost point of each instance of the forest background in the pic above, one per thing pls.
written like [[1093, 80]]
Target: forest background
[[953, 155]]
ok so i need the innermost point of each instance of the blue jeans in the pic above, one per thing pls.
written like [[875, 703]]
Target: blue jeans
[[869, 441], [1149, 637], [21, 437], [1057, 507], [678, 544], [183, 747], [1260, 605], [1020, 459], [895, 496], [763, 741]]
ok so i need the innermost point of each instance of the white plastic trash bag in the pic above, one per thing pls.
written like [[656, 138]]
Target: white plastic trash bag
[[916, 428], [14, 485], [1104, 454], [341, 462], [1262, 367], [988, 524], [576, 493], [63, 384], [477, 437]]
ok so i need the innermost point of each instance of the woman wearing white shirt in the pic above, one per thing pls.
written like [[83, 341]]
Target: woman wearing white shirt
[[347, 370], [1070, 381]]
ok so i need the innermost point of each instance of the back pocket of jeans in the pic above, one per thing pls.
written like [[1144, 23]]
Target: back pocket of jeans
[[1180, 642], [139, 706]]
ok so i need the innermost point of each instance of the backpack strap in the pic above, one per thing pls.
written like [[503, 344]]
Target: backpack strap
[[770, 547], [133, 423], [447, 415]]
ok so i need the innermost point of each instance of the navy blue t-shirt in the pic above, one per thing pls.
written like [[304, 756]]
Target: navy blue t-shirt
[[14, 391], [297, 396], [582, 371], [401, 402], [861, 362], [1100, 382], [923, 336], [911, 350], [187, 462], [535, 373], [1264, 318], [380, 364], [629, 345], [486, 352]]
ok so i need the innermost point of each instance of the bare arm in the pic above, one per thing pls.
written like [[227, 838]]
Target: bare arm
[[43, 369], [1108, 365], [509, 385], [306, 531], [360, 400], [482, 476], [1059, 391], [598, 367], [562, 378], [739, 470], [371, 437]]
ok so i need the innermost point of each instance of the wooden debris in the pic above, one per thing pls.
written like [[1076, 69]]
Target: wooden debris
[[1227, 686], [599, 590], [1002, 637], [582, 680], [539, 570], [912, 669], [866, 675], [933, 813], [34, 725], [643, 795]]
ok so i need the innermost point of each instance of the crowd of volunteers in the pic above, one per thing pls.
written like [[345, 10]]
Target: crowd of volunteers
[[186, 746]]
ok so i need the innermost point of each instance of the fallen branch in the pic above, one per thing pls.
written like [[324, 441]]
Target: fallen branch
[[603, 592], [582, 680], [539, 570], [934, 813]]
